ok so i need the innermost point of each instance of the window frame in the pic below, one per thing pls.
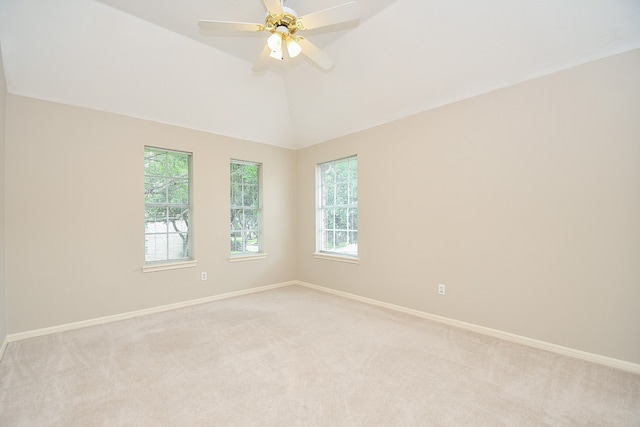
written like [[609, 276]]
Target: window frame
[[246, 255], [170, 263], [321, 251]]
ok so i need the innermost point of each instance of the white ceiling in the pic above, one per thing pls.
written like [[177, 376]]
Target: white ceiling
[[147, 59]]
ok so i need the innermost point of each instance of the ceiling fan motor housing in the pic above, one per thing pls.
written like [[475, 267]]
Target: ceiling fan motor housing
[[288, 19]]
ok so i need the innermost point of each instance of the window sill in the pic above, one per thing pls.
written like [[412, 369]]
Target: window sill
[[335, 257], [241, 258], [168, 266]]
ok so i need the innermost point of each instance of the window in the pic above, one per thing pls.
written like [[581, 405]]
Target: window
[[167, 214], [246, 227], [337, 213]]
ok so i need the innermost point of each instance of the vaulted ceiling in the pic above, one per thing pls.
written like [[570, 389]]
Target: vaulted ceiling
[[147, 59]]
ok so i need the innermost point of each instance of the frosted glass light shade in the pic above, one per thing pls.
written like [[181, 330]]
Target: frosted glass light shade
[[275, 44], [293, 47], [275, 41]]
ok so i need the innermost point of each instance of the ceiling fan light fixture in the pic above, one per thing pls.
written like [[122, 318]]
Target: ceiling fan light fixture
[[275, 41], [283, 24], [277, 54], [293, 47], [275, 44]]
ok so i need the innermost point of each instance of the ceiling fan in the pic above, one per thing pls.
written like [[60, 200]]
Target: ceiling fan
[[284, 24]]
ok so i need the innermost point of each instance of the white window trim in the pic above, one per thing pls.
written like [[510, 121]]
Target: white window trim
[[243, 257], [150, 268], [349, 259]]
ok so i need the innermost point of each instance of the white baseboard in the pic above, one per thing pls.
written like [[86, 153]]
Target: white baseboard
[[542, 345], [123, 316], [566, 351], [4, 347]]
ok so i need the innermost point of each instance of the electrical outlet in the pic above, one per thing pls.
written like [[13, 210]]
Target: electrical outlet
[[203, 275], [442, 289]]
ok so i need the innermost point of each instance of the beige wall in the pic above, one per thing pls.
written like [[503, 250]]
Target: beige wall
[[75, 227], [525, 202], [3, 292]]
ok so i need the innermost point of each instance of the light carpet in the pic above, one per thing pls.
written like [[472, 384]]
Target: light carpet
[[294, 356]]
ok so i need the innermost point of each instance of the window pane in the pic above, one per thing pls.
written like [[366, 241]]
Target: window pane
[[177, 165], [250, 198], [353, 239], [338, 209], [353, 219], [179, 220], [245, 207], [250, 219], [178, 191], [236, 194], [352, 180], [250, 174], [329, 238], [341, 218], [155, 163], [342, 171], [155, 190], [156, 247], [167, 209], [328, 194], [252, 243], [329, 219], [341, 239], [342, 193], [155, 220], [328, 171], [237, 219], [178, 246], [353, 169], [236, 241]]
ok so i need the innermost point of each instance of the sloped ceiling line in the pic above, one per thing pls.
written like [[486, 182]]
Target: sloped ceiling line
[[146, 59]]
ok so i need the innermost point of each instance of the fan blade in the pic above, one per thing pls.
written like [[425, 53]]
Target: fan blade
[[333, 15], [263, 60], [315, 54], [229, 26], [274, 7]]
